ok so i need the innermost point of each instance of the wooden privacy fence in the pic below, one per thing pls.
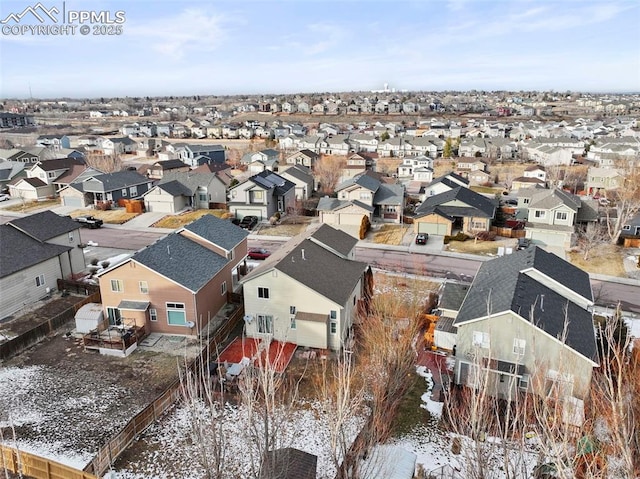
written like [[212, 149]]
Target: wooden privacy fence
[[23, 463], [509, 232], [631, 242], [119, 442]]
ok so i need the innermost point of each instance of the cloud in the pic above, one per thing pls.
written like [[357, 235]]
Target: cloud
[[192, 30]]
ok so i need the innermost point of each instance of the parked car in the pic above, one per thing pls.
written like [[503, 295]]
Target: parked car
[[88, 221], [523, 243], [249, 222], [4, 197], [421, 238], [258, 253]]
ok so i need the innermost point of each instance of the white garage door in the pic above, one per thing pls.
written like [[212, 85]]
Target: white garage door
[[159, 207], [242, 213], [350, 219], [72, 201], [432, 228]]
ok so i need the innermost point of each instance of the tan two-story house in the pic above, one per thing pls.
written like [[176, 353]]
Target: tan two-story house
[[177, 284], [309, 292]]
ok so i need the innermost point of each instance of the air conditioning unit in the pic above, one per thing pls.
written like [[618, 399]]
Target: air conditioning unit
[[248, 318]]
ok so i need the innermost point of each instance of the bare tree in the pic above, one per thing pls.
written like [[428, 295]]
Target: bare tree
[[106, 163], [328, 171], [589, 238], [626, 199]]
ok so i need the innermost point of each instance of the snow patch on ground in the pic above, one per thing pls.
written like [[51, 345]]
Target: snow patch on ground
[[434, 407]]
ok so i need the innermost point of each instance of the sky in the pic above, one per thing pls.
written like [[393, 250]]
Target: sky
[[224, 47]]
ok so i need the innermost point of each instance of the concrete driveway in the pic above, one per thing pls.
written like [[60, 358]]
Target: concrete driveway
[[144, 220]]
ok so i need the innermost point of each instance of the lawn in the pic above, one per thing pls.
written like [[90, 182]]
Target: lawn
[[605, 259], [33, 205], [113, 217], [389, 234], [281, 229], [177, 221]]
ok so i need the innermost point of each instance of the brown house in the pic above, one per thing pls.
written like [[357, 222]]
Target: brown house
[[177, 284]]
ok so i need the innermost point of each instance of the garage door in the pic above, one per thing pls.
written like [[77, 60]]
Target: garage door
[[242, 213], [72, 201], [351, 219], [432, 228], [159, 207]]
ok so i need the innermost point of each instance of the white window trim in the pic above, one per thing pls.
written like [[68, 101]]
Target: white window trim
[[120, 286], [519, 346], [176, 307], [333, 323], [153, 314], [223, 288], [262, 289], [40, 280], [481, 339], [146, 287], [124, 192]]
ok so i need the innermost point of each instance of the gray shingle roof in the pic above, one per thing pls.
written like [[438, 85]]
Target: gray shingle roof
[[335, 239], [181, 260], [453, 295], [363, 180], [501, 284], [268, 179], [169, 164], [44, 225], [547, 199], [115, 181], [175, 188], [389, 194], [326, 273], [218, 231], [478, 205], [20, 251]]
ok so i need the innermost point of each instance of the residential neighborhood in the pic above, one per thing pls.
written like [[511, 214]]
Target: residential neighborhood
[[477, 240]]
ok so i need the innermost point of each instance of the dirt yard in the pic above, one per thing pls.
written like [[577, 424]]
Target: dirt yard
[[35, 315], [177, 221], [489, 248], [30, 206], [605, 259], [389, 234], [287, 227], [114, 217]]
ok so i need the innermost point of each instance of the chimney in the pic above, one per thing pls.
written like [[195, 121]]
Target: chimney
[[303, 258]]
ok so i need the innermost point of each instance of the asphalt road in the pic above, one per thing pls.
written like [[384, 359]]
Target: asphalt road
[[606, 293]]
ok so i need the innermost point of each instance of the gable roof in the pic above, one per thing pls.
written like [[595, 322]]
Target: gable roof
[[363, 180], [59, 164], [453, 295], [268, 180], [181, 260], [503, 284], [174, 188], [327, 203], [334, 239], [322, 271], [389, 194], [222, 233], [20, 251], [298, 173], [170, 164], [44, 225], [478, 205], [117, 180], [35, 182], [547, 199]]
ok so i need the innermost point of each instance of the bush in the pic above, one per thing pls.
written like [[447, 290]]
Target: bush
[[458, 237], [486, 236], [93, 270], [105, 264], [94, 261], [365, 224]]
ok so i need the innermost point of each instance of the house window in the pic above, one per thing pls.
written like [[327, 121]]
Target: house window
[[263, 293], [223, 288], [365, 196], [519, 346], [153, 314], [234, 193], [231, 255], [626, 227], [523, 383], [71, 237], [257, 195], [476, 225], [203, 197], [293, 323], [561, 215], [117, 286], [115, 318], [52, 174], [525, 201], [540, 214], [133, 191], [176, 314], [481, 339], [110, 196], [292, 310], [333, 327], [333, 314], [123, 192], [144, 287], [39, 280], [265, 324]]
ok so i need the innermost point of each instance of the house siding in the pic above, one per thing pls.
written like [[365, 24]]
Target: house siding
[[542, 353], [284, 292], [73, 261], [161, 291], [19, 289]]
